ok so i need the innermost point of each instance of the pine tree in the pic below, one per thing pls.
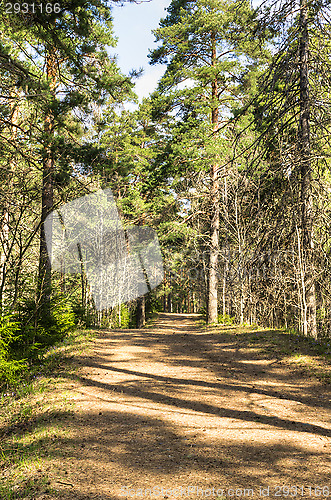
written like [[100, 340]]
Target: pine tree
[[202, 42], [131, 142], [60, 61]]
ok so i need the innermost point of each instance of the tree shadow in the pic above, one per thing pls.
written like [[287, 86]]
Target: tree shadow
[[116, 442], [105, 452], [242, 415], [308, 400]]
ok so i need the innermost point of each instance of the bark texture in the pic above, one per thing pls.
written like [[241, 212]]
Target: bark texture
[[44, 280], [309, 294], [141, 312], [215, 215]]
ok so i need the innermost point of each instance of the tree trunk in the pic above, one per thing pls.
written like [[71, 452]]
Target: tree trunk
[[215, 217], [141, 312], [309, 294], [4, 257], [83, 278], [225, 247], [165, 296], [5, 223], [44, 278], [170, 302]]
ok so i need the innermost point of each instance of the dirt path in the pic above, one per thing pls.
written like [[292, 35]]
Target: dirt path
[[176, 406]]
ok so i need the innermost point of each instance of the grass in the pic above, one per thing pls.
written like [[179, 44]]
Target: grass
[[312, 357], [31, 419], [33, 411]]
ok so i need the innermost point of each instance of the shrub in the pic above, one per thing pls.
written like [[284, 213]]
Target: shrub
[[225, 319], [9, 335], [10, 370], [54, 326], [125, 317], [63, 318]]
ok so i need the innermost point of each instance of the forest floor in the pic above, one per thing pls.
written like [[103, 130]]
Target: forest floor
[[178, 410]]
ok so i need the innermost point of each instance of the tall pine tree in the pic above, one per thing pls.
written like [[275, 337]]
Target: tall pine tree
[[203, 43]]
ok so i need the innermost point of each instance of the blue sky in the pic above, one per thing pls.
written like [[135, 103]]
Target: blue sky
[[132, 25]]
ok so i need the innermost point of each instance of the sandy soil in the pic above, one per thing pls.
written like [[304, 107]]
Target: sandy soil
[[185, 413]]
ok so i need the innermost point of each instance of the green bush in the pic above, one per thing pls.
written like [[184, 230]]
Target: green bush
[[22, 341], [125, 317], [153, 304], [63, 318], [84, 318], [9, 335], [225, 319], [54, 326], [10, 370]]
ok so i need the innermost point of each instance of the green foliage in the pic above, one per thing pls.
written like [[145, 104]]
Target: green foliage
[[153, 303], [226, 319], [11, 370], [63, 317], [9, 334], [23, 341], [52, 327], [83, 317], [120, 317]]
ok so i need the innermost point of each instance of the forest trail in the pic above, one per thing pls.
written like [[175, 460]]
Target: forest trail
[[179, 406]]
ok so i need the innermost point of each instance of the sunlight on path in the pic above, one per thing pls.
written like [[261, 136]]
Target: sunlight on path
[[177, 406]]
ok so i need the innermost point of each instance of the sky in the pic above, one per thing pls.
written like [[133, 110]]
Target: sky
[[132, 25]]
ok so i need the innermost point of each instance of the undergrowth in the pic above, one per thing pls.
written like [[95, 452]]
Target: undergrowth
[[309, 355], [31, 416]]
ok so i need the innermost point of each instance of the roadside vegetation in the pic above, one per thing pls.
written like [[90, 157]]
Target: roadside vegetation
[[33, 410], [35, 407], [309, 356]]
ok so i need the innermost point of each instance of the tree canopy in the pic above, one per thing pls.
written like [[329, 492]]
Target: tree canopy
[[227, 160]]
